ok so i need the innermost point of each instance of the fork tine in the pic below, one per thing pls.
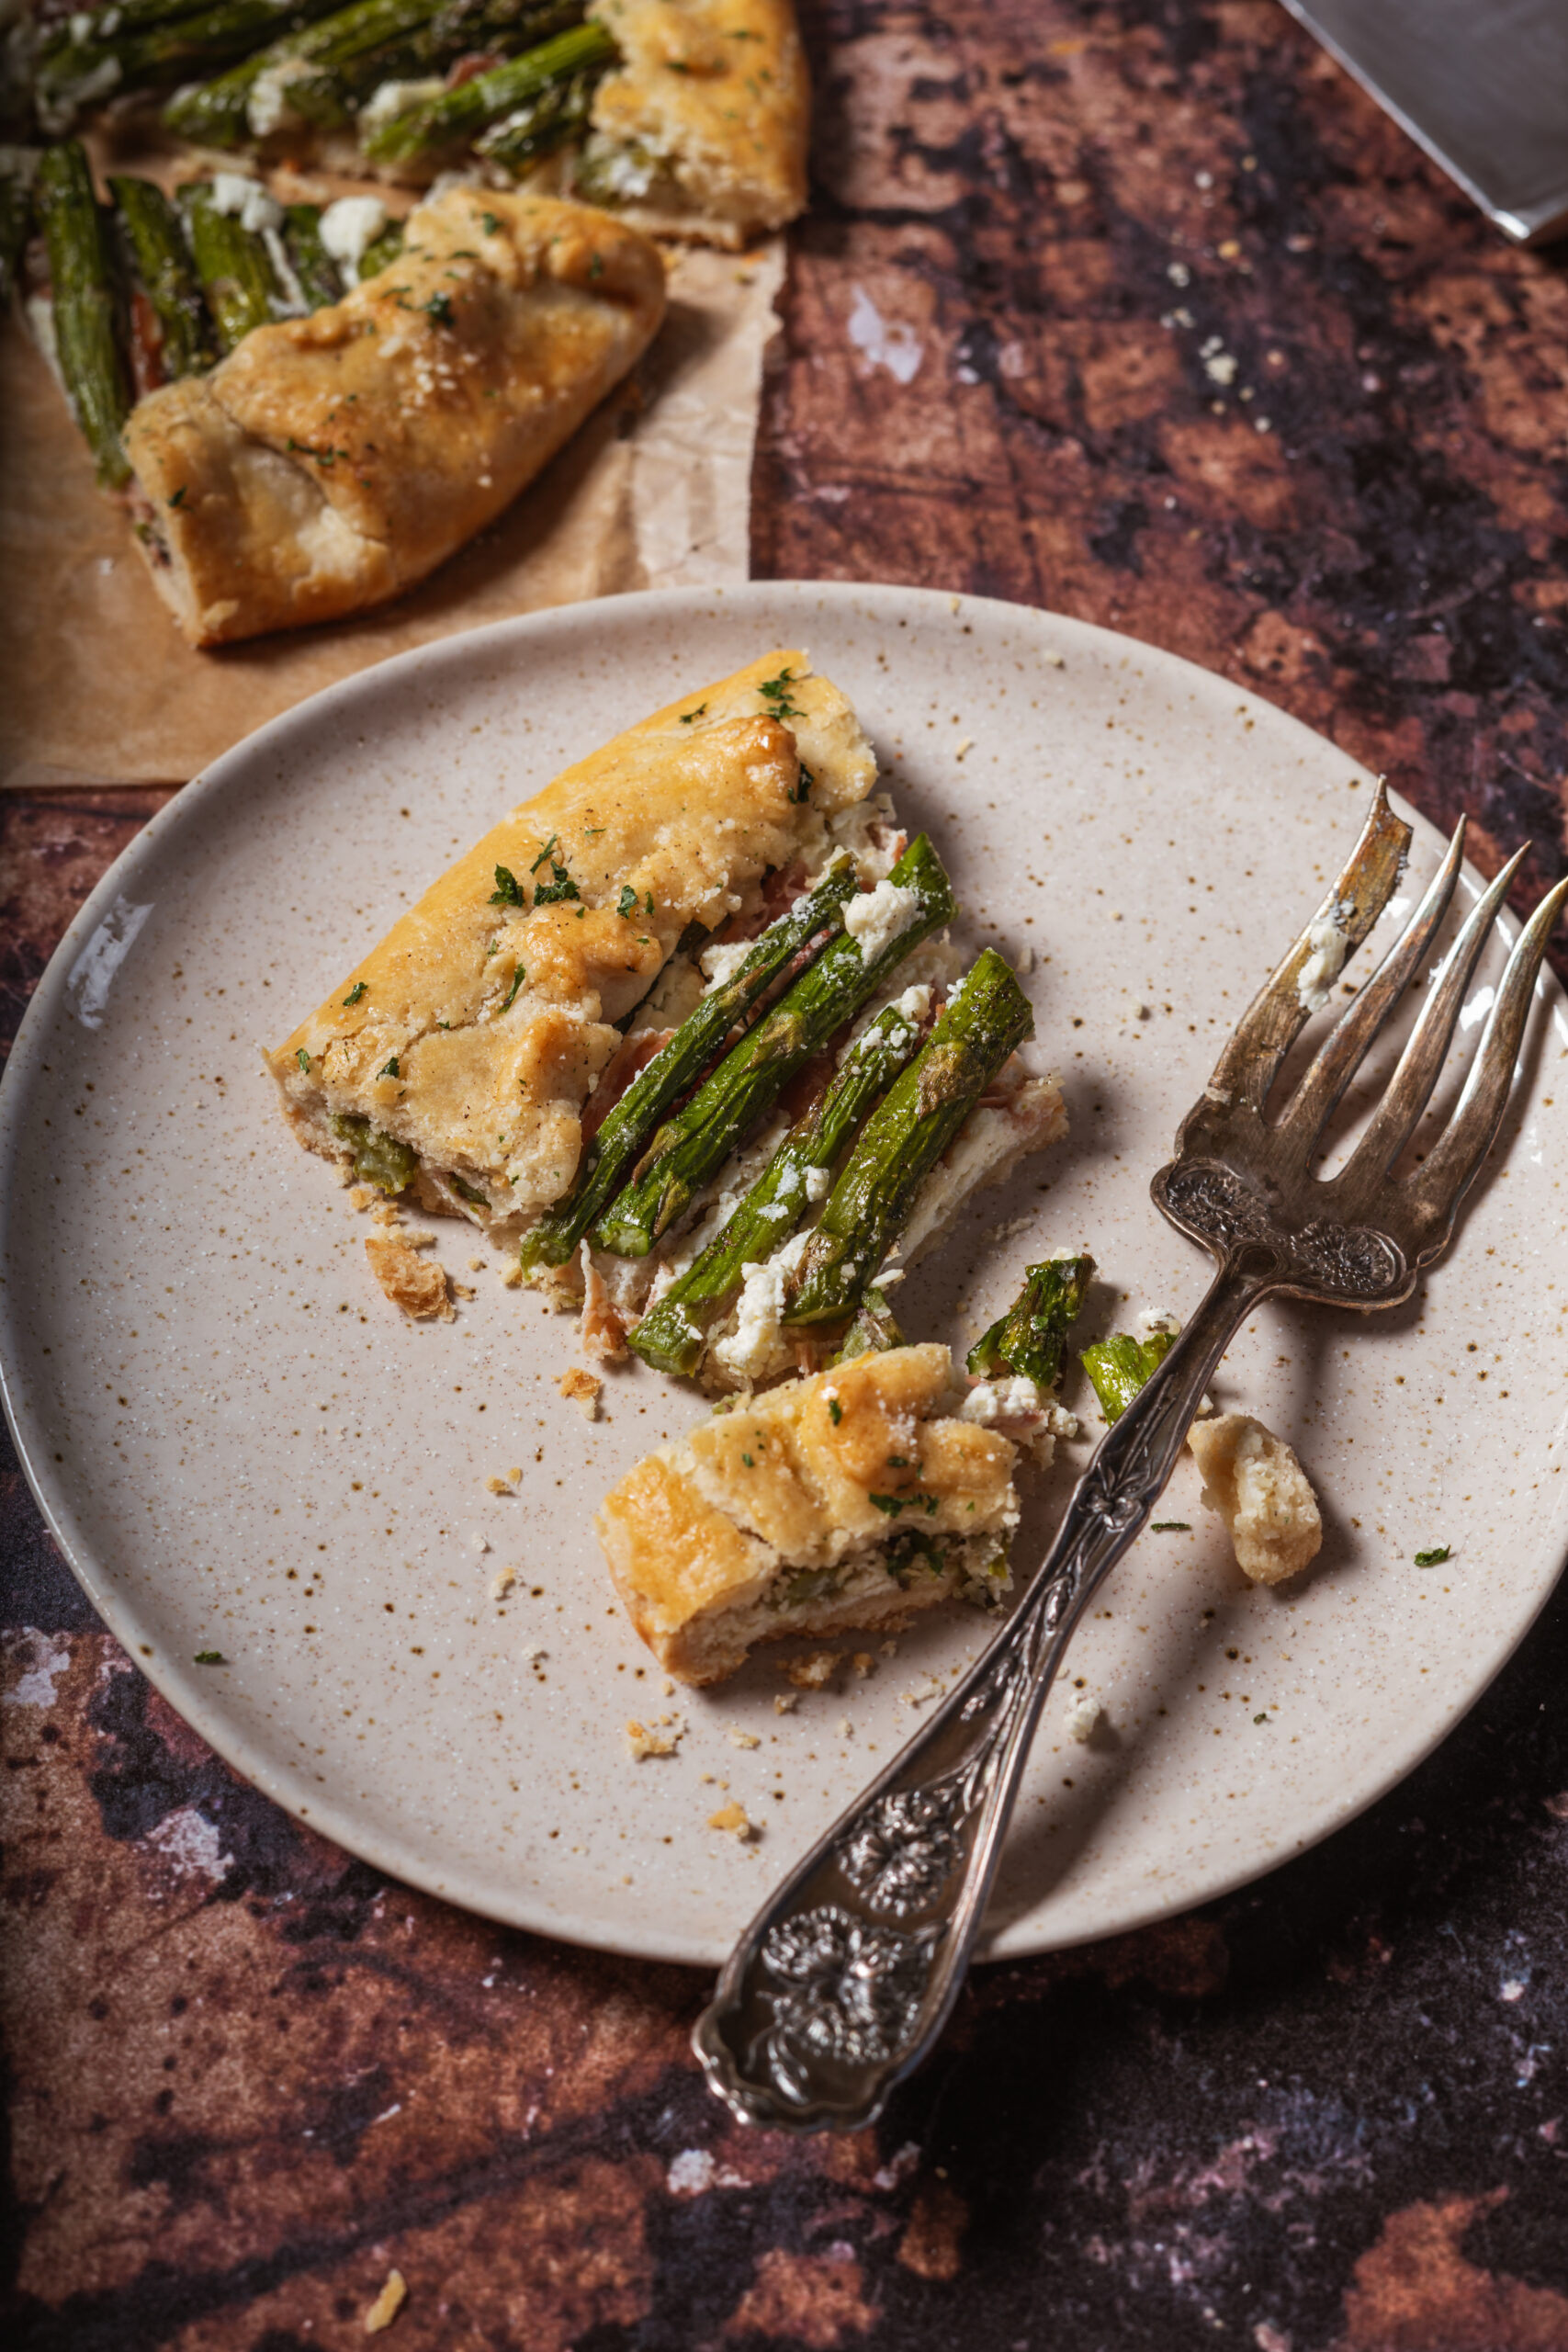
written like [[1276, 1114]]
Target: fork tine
[[1264, 1034], [1393, 1122], [1324, 1081], [1448, 1169]]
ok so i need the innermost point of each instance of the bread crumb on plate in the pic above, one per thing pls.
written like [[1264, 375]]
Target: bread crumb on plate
[[1253, 1479], [810, 1673], [732, 1818], [1084, 1718], [417, 1285], [786, 1703], [581, 1388], [643, 1741], [387, 2303], [739, 1739], [502, 1583]]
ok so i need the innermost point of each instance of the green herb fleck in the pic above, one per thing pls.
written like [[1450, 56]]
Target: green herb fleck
[[518, 977], [648, 903], [1171, 1527], [891, 1504], [596, 265], [508, 890], [803, 786], [439, 307], [550, 894], [178, 497], [835, 1411], [391, 1070], [210, 1657], [1259, 1719], [356, 991], [776, 691], [748, 1461], [626, 903], [492, 225], [687, 715], [303, 1059], [543, 853], [896, 1462], [1432, 1559]]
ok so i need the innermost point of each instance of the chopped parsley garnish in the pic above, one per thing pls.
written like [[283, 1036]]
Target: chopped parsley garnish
[[803, 783], [508, 890], [518, 977], [687, 715], [1432, 1559], [1171, 1527], [550, 894], [648, 902], [626, 903], [1259, 1719], [391, 1070], [891, 1504], [356, 991], [835, 1411], [776, 691], [439, 307], [303, 1059], [896, 1462], [492, 225], [748, 1461], [210, 1657], [596, 265], [177, 498], [543, 853]]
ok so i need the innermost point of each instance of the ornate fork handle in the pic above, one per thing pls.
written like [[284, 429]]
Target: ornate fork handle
[[845, 1978]]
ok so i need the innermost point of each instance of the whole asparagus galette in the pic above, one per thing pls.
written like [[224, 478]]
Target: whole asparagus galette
[[686, 1033]]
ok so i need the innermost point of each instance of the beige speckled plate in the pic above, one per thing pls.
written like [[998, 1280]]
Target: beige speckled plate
[[242, 1448]]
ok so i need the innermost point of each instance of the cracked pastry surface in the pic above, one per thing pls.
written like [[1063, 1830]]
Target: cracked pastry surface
[[468, 1041], [331, 461], [851, 1498]]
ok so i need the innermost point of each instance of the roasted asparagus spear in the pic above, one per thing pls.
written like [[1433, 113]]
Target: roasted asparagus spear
[[457, 116], [156, 238], [1118, 1367], [694, 1143], [100, 58], [541, 124], [1031, 1338], [313, 264], [317, 58], [236, 271], [985, 1018], [608, 1157], [91, 362], [671, 1337]]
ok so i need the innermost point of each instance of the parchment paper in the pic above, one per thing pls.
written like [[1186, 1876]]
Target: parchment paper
[[100, 688]]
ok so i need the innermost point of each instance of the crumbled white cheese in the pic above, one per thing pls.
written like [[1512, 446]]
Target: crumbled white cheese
[[1329, 946], [267, 106], [721, 964], [1002, 1400], [755, 1347], [242, 199], [877, 918], [1158, 1318], [349, 228], [1084, 1718], [817, 1184], [389, 99], [292, 304]]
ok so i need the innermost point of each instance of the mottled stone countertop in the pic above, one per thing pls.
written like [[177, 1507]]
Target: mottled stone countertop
[[1141, 310]]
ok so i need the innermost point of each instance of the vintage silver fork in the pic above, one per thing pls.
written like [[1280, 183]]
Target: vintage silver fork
[[849, 1972]]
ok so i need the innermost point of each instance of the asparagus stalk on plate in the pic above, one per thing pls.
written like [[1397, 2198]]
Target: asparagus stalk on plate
[[313, 266], [1031, 1338], [156, 238], [693, 1145], [672, 1335], [1120, 1366], [309, 70], [560, 112], [874, 1330], [609, 1156], [90, 364], [233, 261], [457, 116], [985, 1019]]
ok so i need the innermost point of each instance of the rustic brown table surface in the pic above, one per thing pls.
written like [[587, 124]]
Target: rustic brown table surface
[[1178, 333]]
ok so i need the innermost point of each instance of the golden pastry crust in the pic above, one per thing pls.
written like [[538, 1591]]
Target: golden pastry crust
[[817, 1475], [717, 91], [483, 1073], [331, 461]]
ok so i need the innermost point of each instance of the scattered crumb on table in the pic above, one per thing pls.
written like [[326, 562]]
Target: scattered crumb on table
[[643, 1742], [732, 1818], [417, 1285], [809, 1673], [739, 1739], [581, 1388]]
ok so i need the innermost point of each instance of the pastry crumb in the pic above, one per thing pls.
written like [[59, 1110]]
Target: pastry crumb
[[531, 1651], [581, 1388], [511, 1274], [811, 1672], [416, 1284], [479, 1540], [642, 1742], [846, 1728], [387, 2303], [739, 1739], [387, 1213], [732, 1818], [501, 1481], [464, 1290], [364, 1196], [786, 1703], [476, 1265], [502, 1583], [863, 1663], [889, 1649]]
